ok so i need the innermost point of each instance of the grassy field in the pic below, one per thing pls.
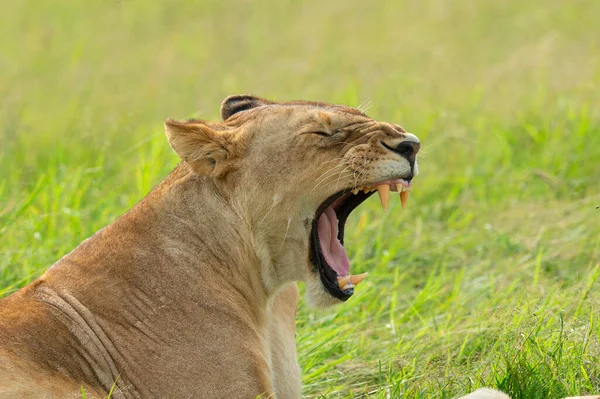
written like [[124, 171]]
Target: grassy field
[[489, 278]]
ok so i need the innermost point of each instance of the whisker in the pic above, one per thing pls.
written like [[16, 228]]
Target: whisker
[[267, 213], [286, 232], [356, 177], [325, 180], [337, 183], [354, 158], [330, 179], [365, 105], [362, 169], [328, 173], [340, 175]]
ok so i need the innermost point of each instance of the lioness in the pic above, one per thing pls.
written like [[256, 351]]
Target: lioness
[[191, 294]]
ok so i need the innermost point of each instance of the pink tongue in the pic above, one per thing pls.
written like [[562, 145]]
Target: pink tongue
[[332, 249]]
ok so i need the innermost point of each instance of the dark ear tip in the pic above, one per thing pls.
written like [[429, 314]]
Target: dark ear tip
[[240, 102], [237, 97]]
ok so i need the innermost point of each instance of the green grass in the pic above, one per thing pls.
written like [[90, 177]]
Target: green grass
[[489, 278]]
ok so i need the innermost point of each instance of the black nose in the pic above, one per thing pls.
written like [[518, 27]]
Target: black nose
[[408, 149]]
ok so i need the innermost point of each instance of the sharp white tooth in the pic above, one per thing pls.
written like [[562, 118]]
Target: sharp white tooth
[[384, 195], [342, 281], [355, 280], [404, 198], [355, 191]]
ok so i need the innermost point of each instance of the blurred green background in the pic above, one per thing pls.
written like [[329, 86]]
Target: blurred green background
[[488, 278]]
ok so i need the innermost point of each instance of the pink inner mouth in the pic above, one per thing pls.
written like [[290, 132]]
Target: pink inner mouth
[[332, 249], [328, 228]]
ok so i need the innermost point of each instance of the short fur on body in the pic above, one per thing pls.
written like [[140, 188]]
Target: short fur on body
[[191, 293]]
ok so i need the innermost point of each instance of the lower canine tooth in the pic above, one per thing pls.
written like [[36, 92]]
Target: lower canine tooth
[[384, 195], [342, 281], [404, 198], [355, 280]]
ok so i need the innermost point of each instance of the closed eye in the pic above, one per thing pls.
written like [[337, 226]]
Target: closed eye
[[325, 134]]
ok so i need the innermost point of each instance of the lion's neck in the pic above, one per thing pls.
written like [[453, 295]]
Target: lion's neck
[[198, 229]]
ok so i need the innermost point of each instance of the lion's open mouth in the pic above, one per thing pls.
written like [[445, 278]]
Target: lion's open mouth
[[327, 251]]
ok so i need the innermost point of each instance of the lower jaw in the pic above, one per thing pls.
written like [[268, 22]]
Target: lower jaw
[[327, 275]]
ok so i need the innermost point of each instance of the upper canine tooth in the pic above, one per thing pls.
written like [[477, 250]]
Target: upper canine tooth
[[384, 195], [355, 280], [355, 191], [404, 198], [342, 281]]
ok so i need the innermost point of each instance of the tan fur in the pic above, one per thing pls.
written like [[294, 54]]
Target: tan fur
[[192, 292]]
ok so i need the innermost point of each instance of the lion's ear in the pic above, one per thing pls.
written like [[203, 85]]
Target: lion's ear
[[240, 102], [200, 146]]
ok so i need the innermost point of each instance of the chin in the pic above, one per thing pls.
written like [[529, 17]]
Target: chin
[[317, 296]]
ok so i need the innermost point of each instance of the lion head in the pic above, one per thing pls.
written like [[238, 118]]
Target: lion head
[[293, 172]]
